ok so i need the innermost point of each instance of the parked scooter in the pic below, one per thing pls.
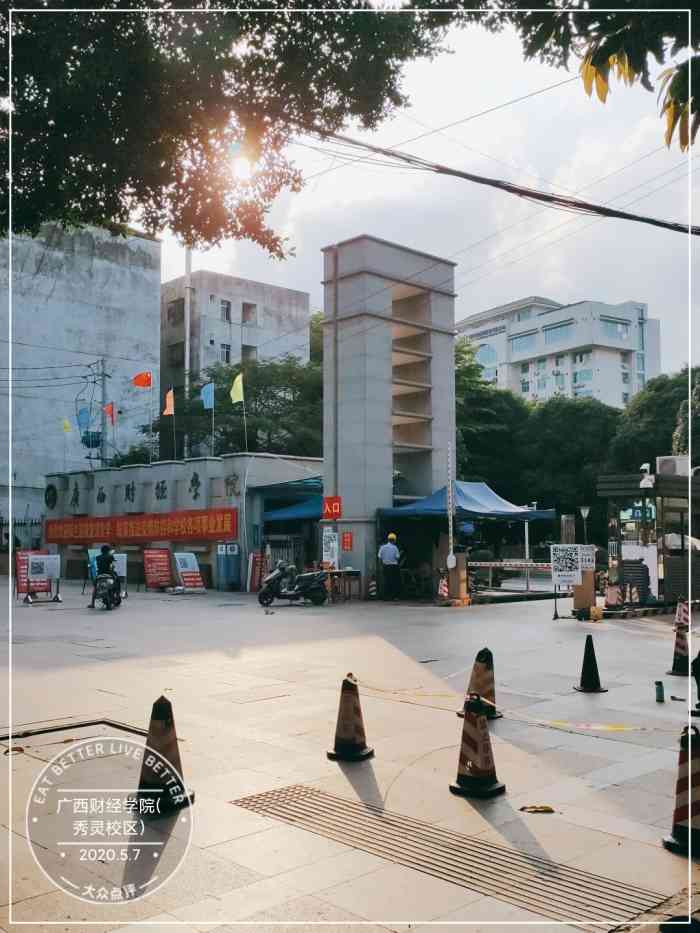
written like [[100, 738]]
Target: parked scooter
[[285, 583], [108, 590]]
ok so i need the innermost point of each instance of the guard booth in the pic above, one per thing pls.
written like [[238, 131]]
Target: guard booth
[[649, 521]]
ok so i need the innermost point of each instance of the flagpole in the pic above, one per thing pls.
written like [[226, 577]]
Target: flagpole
[[174, 434], [245, 425], [150, 423], [212, 424]]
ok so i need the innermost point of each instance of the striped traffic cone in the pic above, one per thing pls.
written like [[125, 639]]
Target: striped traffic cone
[[476, 771], [685, 831], [443, 589], [350, 741], [681, 661], [483, 683], [161, 780], [372, 588]]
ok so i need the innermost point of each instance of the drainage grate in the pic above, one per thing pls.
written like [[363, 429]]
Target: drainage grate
[[559, 892]]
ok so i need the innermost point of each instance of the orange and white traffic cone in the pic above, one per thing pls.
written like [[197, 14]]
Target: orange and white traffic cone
[[476, 771], [483, 683], [350, 740], [372, 588], [681, 660], [685, 831], [613, 596], [161, 780], [443, 589]]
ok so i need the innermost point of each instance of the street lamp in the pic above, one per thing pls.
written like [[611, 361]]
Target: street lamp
[[585, 511]]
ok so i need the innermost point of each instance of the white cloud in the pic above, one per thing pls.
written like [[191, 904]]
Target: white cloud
[[561, 136]]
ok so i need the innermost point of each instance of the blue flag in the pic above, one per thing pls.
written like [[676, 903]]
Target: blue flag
[[207, 395], [83, 419]]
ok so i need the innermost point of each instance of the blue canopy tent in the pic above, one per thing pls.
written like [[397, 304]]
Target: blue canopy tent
[[306, 509], [471, 500]]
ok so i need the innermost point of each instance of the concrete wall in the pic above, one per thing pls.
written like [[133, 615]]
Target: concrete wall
[[77, 296]]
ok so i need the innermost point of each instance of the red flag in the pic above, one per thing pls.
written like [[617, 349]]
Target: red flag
[[143, 380], [109, 411]]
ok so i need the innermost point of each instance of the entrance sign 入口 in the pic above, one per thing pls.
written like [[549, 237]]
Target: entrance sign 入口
[[330, 547], [332, 508], [156, 568], [188, 570], [566, 564]]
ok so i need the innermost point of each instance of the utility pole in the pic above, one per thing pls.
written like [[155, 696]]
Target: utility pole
[[103, 413], [188, 321]]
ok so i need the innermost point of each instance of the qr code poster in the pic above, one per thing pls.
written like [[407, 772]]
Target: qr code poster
[[44, 567], [587, 556], [566, 564]]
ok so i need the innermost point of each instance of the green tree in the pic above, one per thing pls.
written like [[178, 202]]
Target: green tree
[[283, 405], [123, 116], [688, 423], [564, 445], [316, 338], [647, 425]]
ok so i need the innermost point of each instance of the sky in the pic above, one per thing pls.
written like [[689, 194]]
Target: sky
[[506, 248]]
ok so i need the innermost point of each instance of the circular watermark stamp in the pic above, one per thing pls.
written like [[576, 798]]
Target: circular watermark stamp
[[108, 820]]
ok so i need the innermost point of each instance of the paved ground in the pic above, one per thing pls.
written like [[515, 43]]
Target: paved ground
[[255, 699]]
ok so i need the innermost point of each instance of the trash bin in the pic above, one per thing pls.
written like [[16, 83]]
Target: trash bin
[[228, 566]]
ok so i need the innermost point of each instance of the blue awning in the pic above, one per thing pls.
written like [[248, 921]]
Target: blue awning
[[307, 508], [471, 500]]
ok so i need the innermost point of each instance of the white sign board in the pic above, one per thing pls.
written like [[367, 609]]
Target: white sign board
[[566, 564], [330, 550], [120, 565], [44, 567], [587, 556]]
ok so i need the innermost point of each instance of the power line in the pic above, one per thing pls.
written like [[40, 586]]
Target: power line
[[559, 201], [472, 116], [62, 366]]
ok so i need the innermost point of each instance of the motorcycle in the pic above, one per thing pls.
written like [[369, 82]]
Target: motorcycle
[[285, 583], [108, 590]]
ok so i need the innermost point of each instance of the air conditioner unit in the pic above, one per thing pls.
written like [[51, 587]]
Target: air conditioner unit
[[673, 466]]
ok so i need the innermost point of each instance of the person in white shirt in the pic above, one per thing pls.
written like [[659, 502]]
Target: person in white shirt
[[389, 556]]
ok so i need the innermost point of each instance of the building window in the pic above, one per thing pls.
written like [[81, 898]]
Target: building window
[[249, 354], [523, 343], [615, 329], [225, 353], [486, 355], [640, 362], [541, 365], [490, 374], [581, 357], [212, 299], [625, 398], [583, 375], [176, 311], [176, 354], [559, 381], [524, 386], [225, 311], [582, 392], [523, 315], [525, 368], [558, 332], [558, 361], [249, 314], [625, 378], [542, 383]]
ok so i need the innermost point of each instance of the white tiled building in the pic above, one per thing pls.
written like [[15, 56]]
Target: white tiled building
[[539, 348]]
